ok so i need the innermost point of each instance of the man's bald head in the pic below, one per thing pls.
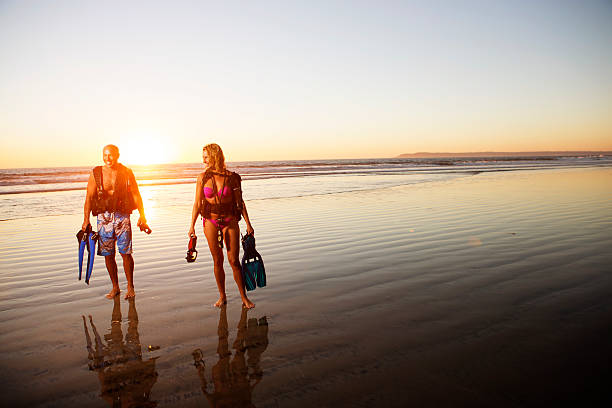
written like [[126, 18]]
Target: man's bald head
[[112, 147], [110, 155]]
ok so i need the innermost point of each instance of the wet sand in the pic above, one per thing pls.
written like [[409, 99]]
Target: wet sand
[[489, 290]]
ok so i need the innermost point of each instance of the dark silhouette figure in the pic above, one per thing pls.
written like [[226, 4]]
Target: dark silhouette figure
[[125, 379], [234, 379]]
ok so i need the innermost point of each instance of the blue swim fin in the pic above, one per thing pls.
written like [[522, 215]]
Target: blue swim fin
[[248, 273], [253, 270], [260, 273], [82, 239], [92, 239]]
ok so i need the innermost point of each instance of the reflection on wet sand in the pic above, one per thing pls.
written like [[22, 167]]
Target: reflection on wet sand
[[233, 379], [125, 379]]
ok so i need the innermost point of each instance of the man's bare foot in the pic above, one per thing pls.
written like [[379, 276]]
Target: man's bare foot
[[130, 293], [222, 301], [114, 292], [248, 304]]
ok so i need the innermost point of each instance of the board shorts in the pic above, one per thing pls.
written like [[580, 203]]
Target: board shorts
[[114, 227]]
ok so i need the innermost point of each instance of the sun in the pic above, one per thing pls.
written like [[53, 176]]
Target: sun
[[144, 149]]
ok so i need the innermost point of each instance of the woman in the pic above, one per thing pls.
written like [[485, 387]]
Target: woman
[[219, 200]]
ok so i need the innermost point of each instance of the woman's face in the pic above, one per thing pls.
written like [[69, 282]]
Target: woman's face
[[205, 158]]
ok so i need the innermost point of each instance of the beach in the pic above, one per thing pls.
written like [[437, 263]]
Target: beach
[[484, 289]]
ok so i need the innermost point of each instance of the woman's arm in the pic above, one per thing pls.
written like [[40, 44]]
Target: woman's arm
[[238, 196], [196, 205], [245, 215]]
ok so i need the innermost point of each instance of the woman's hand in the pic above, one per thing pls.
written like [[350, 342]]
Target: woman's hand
[[250, 230], [191, 232], [85, 225]]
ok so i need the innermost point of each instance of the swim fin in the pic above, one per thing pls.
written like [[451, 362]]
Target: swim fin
[[82, 238], [248, 273], [92, 239], [260, 273], [253, 270]]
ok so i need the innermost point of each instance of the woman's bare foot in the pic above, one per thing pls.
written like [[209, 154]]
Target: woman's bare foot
[[247, 304], [222, 301], [130, 293], [114, 292]]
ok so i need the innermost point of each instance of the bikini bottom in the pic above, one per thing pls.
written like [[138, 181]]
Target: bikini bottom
[[219, 223]]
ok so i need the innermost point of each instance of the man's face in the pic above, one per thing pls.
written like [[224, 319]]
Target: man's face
[[110, 156]]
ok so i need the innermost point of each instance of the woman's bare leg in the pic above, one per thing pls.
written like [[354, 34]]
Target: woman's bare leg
[[217, 254], [232, 240]]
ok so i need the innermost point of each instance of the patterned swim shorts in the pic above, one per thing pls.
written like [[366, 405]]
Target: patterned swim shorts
[[114, 226]]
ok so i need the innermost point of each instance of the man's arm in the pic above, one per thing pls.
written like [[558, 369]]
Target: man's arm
[[91, 190], [137, 198]]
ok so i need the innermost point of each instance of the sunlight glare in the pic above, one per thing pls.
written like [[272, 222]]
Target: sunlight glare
[[148, 201], [145, 149]]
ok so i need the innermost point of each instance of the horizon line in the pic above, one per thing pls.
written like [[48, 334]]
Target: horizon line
[[400, 156], [508, 154]]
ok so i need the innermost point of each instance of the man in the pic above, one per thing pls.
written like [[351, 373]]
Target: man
[[112, 195]]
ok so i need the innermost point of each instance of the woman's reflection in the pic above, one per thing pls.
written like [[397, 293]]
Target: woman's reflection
[[125, 379], [234, 378]]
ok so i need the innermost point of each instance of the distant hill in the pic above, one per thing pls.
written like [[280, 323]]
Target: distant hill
[[506, 154]]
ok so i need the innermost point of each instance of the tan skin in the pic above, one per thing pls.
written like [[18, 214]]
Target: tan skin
[[231, 235], [109, 176]]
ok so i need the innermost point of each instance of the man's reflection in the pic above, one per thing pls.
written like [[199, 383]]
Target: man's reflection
[[235, 378], [125, 379]]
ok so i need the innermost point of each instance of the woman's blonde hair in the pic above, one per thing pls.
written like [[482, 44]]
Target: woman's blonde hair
[[216, 159]]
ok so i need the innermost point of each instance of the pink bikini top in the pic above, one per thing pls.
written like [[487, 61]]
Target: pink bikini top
[[208, 192]]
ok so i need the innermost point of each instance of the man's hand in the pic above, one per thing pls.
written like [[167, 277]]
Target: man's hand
[[85, 225], [142, 224]]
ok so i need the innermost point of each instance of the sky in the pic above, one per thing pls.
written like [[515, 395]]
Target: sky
[[281, 80]]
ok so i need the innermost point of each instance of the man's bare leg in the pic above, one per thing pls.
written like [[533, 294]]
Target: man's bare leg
[[111, 267], [128, 268]]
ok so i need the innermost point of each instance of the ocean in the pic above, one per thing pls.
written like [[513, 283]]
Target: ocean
[[33, 192]]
